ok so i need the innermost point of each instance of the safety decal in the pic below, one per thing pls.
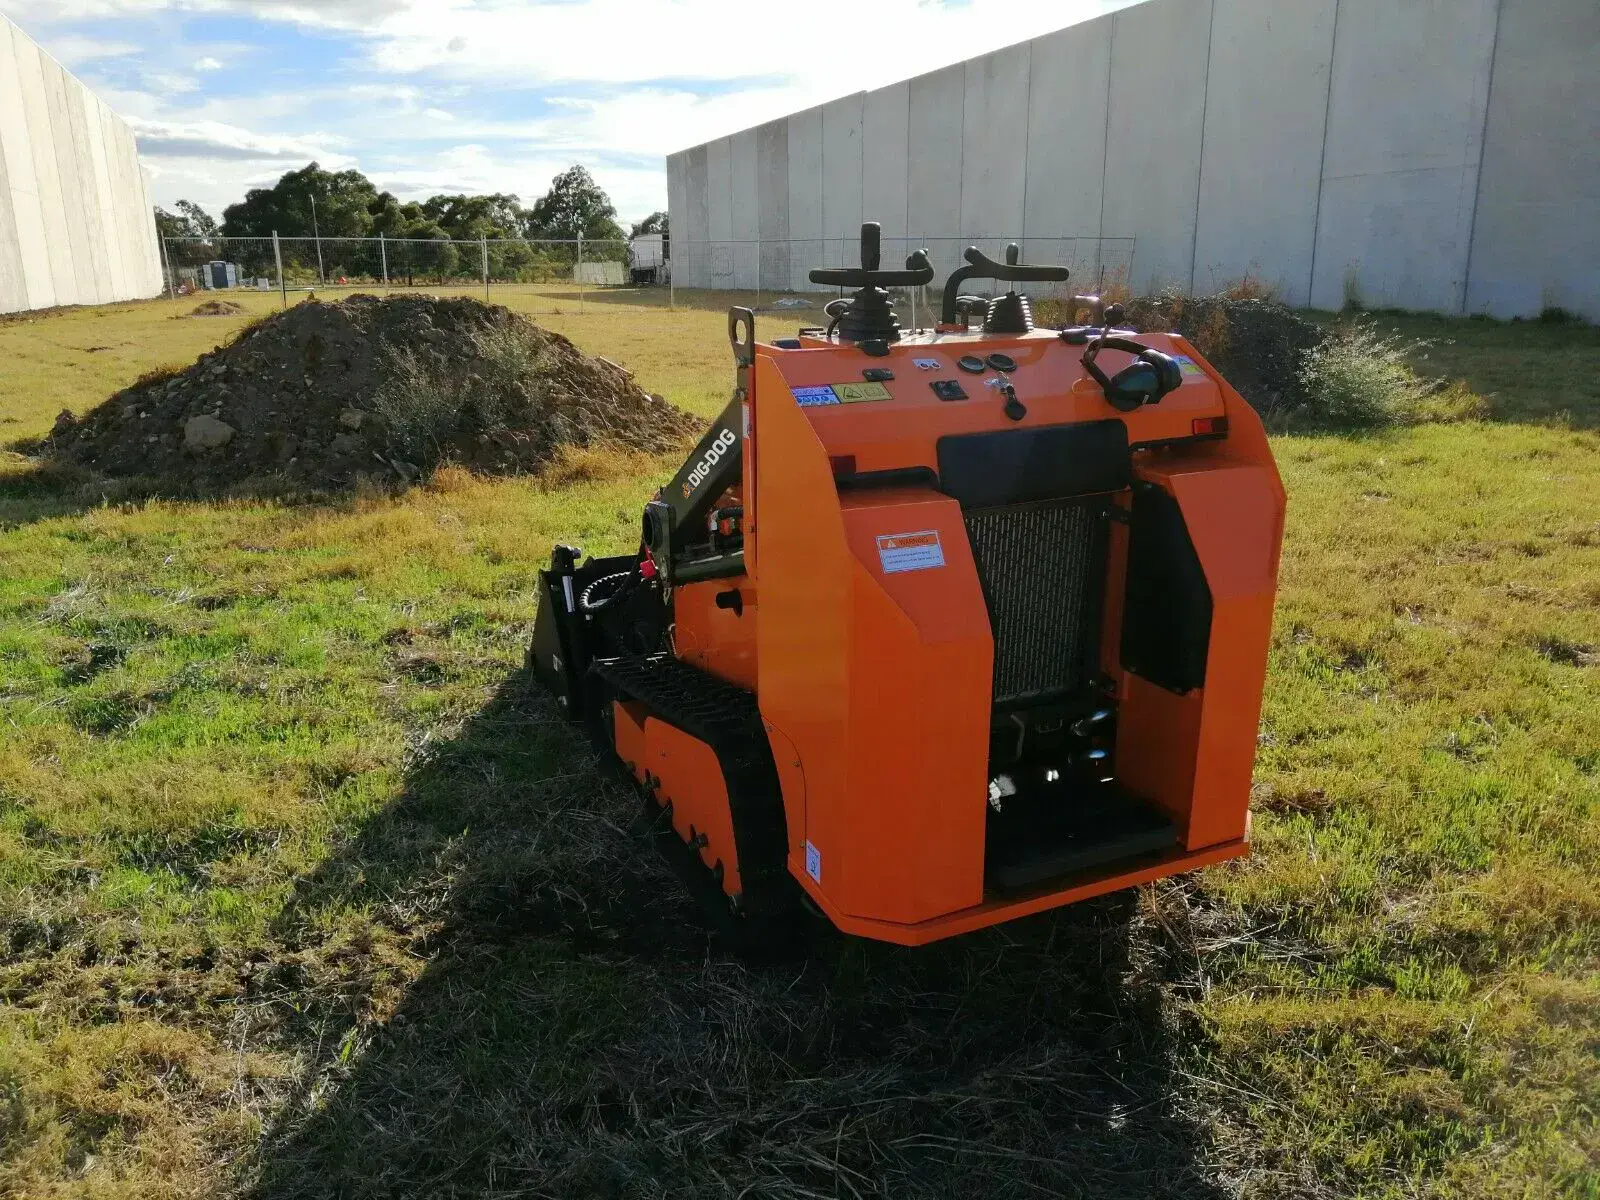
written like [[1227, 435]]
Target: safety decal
[[926, 364], [1188, 365], [856, 393], [813, 862], [812, 397], [910, 551]]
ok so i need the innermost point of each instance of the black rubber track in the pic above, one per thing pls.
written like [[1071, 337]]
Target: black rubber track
[[727, 719]]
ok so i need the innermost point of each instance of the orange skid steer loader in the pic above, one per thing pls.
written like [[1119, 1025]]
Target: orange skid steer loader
[[937, 628]]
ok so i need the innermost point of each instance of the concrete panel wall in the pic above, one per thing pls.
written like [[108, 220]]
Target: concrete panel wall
[[1396, 211], [1153, 136], [677, 208], [719, 209], [745, 198], [886, 166], [75, 219], [1266, 105], [13, 274], [14, 160], [933, 186], [36, 112], [1068, 96], [772, 195], [805, 194], [1536, 239], [691, 241], [1431, 154], [994, 145], [843, 170]]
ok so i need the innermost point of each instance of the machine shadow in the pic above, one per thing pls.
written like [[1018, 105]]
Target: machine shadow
[[577, 1032]]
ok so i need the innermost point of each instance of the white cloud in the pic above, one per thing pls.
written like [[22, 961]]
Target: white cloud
[[215, 140], [621, 81], [72, 50]]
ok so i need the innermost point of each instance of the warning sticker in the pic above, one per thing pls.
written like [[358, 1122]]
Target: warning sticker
[[910, 551], [856, 393], [813, 396], [1188, 365]]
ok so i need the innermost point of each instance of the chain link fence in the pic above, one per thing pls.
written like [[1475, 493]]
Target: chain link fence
[[563, 276]]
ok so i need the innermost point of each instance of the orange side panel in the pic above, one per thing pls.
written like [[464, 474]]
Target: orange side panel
[[691, 781], [628, 735], [805, 586], [1192, 755], [717, 640], [919, 699]]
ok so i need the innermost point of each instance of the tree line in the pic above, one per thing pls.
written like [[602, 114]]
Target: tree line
[[335, 205]]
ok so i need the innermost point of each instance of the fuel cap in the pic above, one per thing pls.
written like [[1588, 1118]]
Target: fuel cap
[[1003, 362], [970, 363]]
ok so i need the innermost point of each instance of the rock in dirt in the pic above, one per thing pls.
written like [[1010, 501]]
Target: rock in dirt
[[322, 394], [206, 433]]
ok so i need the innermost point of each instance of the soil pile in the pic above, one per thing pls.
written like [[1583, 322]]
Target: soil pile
[[217, 308], [322, 394], [1258, 345]]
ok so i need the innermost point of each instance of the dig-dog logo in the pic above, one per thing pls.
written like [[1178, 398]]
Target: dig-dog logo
[[726, 440]]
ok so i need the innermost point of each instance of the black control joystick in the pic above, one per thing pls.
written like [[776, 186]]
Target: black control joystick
[[865, 315], [1011, 313]]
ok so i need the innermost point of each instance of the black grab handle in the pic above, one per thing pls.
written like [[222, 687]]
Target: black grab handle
[[981, 266]]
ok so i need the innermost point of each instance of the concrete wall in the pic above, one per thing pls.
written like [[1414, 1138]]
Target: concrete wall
[[1536, 237], [1428, 154], [76, 224]]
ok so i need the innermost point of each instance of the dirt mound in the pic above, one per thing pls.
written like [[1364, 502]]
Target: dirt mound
[[217, 308], [1258, 345], [324, 393]]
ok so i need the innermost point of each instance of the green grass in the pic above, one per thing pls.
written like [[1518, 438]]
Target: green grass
[[303, 892]]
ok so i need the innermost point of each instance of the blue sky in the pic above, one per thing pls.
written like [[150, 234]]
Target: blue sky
[[427, 96]]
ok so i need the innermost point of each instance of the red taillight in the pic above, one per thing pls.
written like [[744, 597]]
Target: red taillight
[[1209, 426]]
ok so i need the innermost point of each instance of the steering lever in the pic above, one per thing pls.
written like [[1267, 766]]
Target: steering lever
[[981, 266]]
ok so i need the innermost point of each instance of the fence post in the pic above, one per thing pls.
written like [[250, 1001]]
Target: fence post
[[383, 253], [277, 254], [166, 269], [483, 247], [580, 271]]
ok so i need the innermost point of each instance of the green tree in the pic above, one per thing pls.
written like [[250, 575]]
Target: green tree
[[656, 222], [343, 209], [575, 206], [190, 221], [343, 200], [468, 218]]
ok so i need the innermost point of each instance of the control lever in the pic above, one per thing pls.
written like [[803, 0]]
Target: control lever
[[981, 266], [919, 270]]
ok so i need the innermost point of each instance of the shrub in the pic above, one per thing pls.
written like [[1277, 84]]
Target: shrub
[[1553, 314], [1358, 378], [419, 406], [427, 403]]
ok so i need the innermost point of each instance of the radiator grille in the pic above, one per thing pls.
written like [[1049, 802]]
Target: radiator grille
[[1043, 572]]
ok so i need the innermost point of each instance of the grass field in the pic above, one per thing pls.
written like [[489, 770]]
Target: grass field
[[304, 893]]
